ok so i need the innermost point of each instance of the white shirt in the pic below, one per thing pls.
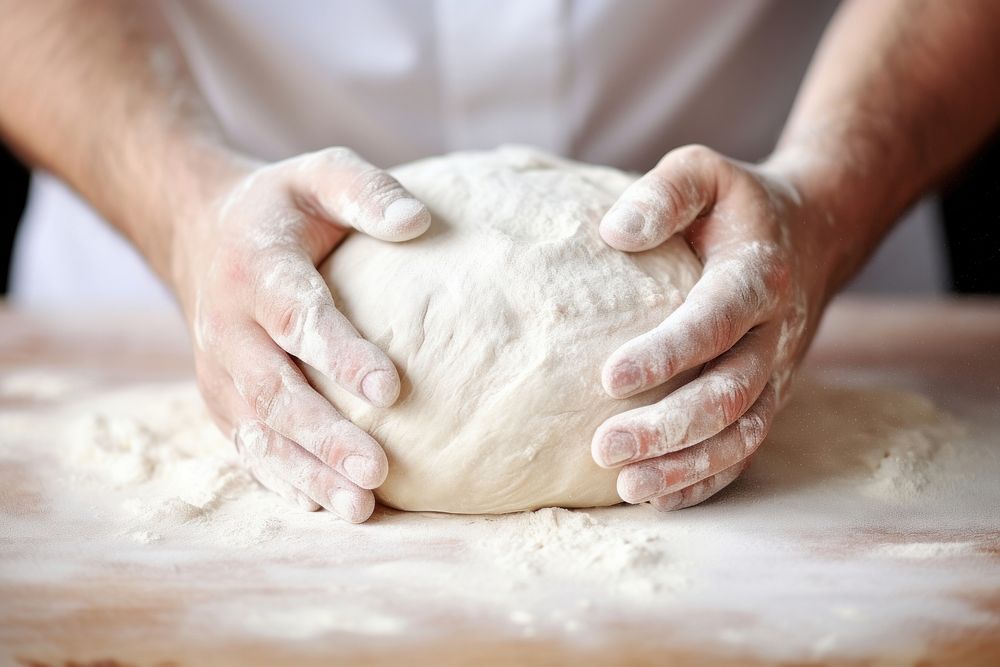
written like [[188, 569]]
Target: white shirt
[[617, 83]]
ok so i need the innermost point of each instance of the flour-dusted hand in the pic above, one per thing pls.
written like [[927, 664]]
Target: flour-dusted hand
[[748, 320], [246, 274], [880, 118]]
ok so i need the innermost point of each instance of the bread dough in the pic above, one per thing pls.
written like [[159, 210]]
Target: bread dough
[[499, 319]]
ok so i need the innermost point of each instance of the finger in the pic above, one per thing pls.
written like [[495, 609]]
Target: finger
[[276, 457], [230, 407], [293, 305], [672, 472], [350, 192], [725, 389], [665, 200], [737, 291], [276, 392], [700, 491], [275, 484]]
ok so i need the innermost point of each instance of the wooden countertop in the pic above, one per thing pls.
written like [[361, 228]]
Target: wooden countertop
[[72, 594]]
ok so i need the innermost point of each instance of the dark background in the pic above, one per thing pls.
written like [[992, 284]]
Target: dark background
[[971, 212], [13, 193], [970, 206]]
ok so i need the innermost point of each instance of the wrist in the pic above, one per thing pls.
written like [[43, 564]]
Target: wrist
[[848, 197], [200, 177]]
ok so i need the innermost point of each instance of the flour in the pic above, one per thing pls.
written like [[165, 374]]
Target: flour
[[39, 385], [925, 550], [140, 479], [905, 469], [910, 449], [160, 448], [168, 442], [555, 543]]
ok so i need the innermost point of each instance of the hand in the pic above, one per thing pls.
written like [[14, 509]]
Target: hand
[[749, 319], [245, 271]]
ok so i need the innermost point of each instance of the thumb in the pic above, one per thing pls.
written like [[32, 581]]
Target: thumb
[[350, 192], [677, 191]]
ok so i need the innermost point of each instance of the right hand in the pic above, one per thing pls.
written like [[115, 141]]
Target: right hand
[[244, 269]]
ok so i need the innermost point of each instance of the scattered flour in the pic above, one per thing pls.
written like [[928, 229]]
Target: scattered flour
[[40, 385], [925, 550], [910, 443], [882, 444], [159, 447], [143, 475], [554, 543]]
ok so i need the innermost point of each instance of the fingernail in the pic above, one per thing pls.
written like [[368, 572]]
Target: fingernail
[[360, 469], [625, 221], [381, 388], [626, 377], [406, 215], [639, 485], [619, 446], [343, 504]]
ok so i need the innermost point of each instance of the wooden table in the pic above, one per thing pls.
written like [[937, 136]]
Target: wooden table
[[75, 593]]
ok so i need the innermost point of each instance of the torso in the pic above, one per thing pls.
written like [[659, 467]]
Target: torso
[[616, 83]]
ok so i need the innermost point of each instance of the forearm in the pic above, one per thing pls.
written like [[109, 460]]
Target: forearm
[[898, 94], [97, 93]]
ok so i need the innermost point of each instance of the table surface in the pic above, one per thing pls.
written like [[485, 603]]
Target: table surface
[[831, 586]]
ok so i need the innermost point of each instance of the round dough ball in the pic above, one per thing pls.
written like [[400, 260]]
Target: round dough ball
[[499, 319]]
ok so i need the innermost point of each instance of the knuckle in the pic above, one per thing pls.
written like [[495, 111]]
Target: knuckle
[[778, 279], [668, 502], [287, 321], [752, 429], [376, 186], [653, 358], [704, 490], [677, 189], [689, 496], [658, 367], [328, 450], [263, 395], [668, 435], [732, 396], [696, 493], [311, 477], [283, 271], [696, 153], [354, 357], [724, 327], [337, 156], [672, 199], [774, 270], [751, 297], [253, 441]]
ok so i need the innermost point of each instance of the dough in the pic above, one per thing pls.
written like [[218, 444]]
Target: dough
[[499, 319]]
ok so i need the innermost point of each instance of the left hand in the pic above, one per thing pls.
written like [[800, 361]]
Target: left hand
[[767, 257]]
